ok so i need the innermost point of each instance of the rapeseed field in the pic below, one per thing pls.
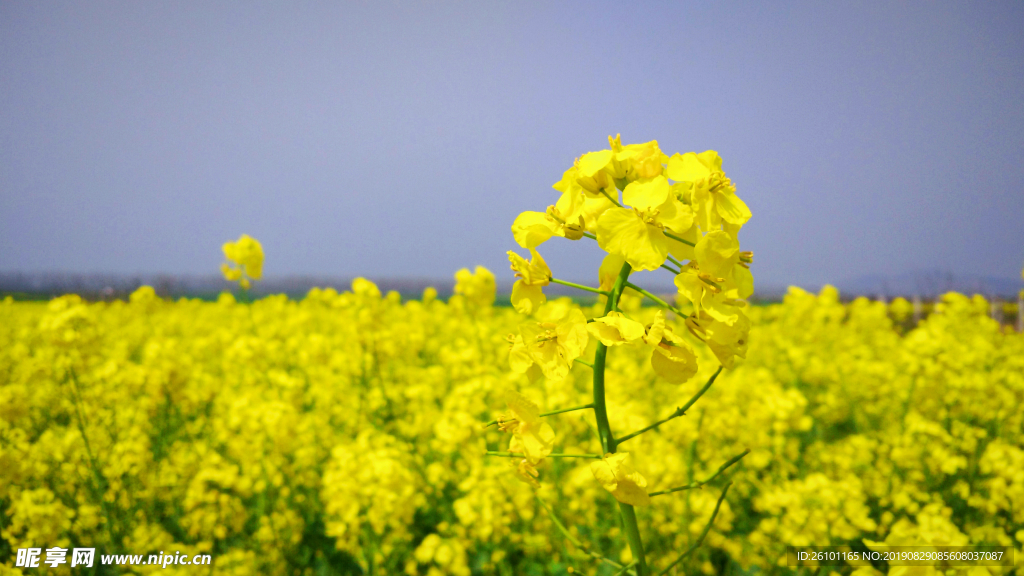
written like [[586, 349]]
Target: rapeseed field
[[359, 433]]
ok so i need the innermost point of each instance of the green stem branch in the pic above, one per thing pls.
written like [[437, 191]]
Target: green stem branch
[[521, 455], [586, 550], [679, 411], [701, 484], [656, 299], [553, 412], [678, 238], [579, 286], [609, 196], [703, 534]]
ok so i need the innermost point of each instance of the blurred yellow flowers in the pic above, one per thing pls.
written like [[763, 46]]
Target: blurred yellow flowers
[[245, 261]]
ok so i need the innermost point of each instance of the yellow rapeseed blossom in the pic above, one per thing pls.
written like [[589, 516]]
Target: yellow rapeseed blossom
[[532, 276], [531, 435], [616, 474]]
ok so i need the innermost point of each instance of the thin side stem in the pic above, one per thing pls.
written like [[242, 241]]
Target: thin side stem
[[609, 196], [579, 286], [671, 269], [625, 569], [679, 411], [521, 455], [586, 550], [588, 365], [701, 484], [678, 238], [703, 534], [590, 235], [656, 299], [553, 412], [674, 261]]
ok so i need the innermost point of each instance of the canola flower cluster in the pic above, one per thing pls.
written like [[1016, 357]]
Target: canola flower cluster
[[679, 213], [342, 433]]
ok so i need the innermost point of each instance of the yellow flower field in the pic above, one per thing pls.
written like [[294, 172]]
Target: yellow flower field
[[357, 433], [345, 433]]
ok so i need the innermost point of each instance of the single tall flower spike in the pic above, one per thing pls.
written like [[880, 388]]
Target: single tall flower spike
[[647, 211]]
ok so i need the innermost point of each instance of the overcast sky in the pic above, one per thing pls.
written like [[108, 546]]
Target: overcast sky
[[402, 139]]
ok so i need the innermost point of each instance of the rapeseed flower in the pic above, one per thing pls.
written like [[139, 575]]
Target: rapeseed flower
[[531, 435], [616, 474], [532, 276], [245, 260]]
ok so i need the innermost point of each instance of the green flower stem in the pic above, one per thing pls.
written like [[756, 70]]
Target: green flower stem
[[703, 534], [587, 364], [625, 569], [657, 300], [677, 238], [674, 261], [679, 411], [600, 409], [564, 410], [553, 412], [671, 269], [700, 484], [586, 550], [633, 534], [590, 235], [579, 286], [521, 455], [609, 196], [604, 429]]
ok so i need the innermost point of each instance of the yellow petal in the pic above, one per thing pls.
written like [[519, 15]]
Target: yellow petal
[[572, 334], [711, 159], [690, 286], [676, 363], [524, 409], [615, 473], [593, 162], [647, 194], [611, 265], [593, 208], [537, 439], [687, 168], [717, 252], [675, 216], [655, 330], [742, 283], [531, 229], [622, 231], [614, 329], [731, 208], [518, 358], [527, 297]]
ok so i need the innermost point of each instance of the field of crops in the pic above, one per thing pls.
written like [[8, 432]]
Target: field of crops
[[357, 433], [344, 433]]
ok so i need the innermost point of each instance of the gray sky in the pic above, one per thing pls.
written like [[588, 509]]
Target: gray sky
[[402, 139]]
